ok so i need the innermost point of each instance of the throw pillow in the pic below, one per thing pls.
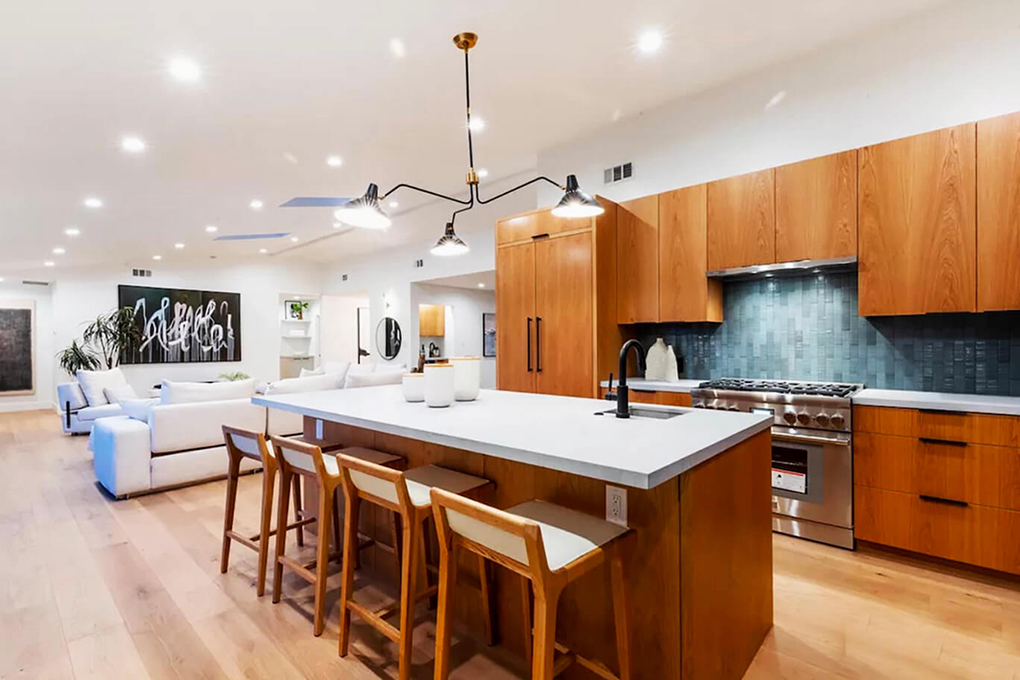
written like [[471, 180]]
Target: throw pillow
[[117, 395], [305, 372], [138, 409], [94, 382], [314, 383], [374, 379], [192, 392]]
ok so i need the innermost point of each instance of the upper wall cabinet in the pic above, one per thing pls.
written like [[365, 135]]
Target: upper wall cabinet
[[637, 278], [917, 224], [685, 293], [535, 223], [816, 208], [431, 321], [742, 220], [998, 213]]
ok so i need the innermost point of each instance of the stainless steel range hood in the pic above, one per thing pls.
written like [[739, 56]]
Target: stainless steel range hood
[[780, 269]]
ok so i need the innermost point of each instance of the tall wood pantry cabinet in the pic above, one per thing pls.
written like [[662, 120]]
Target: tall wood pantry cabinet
[[556, 329]]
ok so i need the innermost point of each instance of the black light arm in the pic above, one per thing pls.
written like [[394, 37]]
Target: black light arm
[[520, 186], [425, 191]]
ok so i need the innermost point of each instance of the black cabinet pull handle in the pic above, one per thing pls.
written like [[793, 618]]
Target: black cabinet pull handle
[[944, 501], [946, 442], [538, 344], [939, 412], [529, 344], [539, 236]]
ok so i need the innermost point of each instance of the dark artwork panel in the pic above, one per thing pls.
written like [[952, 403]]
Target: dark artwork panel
[[16, 350], [183, 326]]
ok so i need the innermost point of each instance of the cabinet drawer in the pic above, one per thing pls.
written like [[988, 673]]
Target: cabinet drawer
[[973, 534], [975, 428], [524, 227], [664, 398]]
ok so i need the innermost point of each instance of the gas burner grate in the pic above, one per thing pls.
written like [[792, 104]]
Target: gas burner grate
[[781, 387]]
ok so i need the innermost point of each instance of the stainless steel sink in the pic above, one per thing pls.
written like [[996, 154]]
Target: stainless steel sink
[[642, 412]]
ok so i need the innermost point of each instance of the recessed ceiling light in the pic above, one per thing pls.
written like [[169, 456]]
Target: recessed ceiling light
[[132, 144], [72, 231], [263, 251], [157, 257], [211, 229], [59, 251], [776, 98], [397, 47], [481, 285], [394, 204], [334, 161], [290, 158], [482, 172], [179, 246], [184, 69], [93, 202], [477, 124], [256, 204], [650, 41], [1, 279], [294, 239], [49, 263]]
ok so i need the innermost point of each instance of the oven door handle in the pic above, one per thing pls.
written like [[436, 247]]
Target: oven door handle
[[842, 440]]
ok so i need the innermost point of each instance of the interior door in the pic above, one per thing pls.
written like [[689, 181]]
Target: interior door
[[563, 316], [515, 317]]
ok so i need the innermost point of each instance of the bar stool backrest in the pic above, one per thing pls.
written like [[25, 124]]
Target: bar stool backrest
[[304, 457], [247, 443], [513, 542], [377, 484]]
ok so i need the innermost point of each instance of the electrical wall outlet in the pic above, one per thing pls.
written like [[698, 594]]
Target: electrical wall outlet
[[616, 505], [318, 429]]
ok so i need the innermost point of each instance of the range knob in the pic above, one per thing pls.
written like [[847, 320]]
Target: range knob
[[803, 417], [790, 417], [822, 419], [837, 421]]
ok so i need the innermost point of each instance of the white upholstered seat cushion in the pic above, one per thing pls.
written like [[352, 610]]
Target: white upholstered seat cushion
[[567, 534], [90, 413], [369, 455], [421, 480]]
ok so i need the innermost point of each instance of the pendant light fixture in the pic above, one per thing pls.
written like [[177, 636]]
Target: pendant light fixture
[[365, 212]]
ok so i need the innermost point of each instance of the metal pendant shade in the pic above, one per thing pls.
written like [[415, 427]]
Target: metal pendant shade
[[576, 202], [449, 243], [364, 212]]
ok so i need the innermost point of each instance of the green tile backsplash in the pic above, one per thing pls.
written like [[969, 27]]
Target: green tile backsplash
[[807, 328]]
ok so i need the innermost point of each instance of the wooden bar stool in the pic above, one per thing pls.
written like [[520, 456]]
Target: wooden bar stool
[[307, 460], [550, 546], [405, 493], [243, 444]]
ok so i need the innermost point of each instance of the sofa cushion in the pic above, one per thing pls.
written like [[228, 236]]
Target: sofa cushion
[[138, 409], [195, 392], [371, 369], [373, 379], [309, 372], [314, 383], [116, 395], [94, 382], [181, 427], [90, 413], [70, 396]]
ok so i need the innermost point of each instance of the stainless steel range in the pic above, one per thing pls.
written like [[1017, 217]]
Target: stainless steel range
[[812, 450]]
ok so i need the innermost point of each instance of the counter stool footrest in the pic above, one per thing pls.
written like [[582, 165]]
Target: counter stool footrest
[[377, 621], [394, 606], [250, 543], [596, 667]]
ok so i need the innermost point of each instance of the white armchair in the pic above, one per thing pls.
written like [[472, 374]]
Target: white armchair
[[76, 416]]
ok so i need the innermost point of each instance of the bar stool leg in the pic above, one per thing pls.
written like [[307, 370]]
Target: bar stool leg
[[488, 598], [352, 507], [447, 582], [546, 603], [526, 613], [233, 471], [268, 485], [323, 528], [620, 612], [408, 577], [337, 539], [281, 536], [298, 508]]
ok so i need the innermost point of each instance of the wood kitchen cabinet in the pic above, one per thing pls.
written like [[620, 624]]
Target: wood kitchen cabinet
[[742, 220], [816, 208], [637, 252], [685, 293], [998, 213], [431, 321], [556, 305], [917, 230]]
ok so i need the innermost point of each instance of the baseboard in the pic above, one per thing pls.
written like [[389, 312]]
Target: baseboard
[[13, 406]]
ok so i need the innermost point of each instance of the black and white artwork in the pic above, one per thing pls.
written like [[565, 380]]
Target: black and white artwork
[[17, 372], [183, 326], [488, 334]]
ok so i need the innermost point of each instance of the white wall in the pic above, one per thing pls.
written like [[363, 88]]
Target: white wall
[[956, 64], [44, 396], [340, 327], [466, 323], [387, 276], [81, 295]]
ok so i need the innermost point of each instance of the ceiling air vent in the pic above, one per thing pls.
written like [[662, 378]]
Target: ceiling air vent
[[618, 173], [344, 277], [35, 283], [418, 264], [142, 273]]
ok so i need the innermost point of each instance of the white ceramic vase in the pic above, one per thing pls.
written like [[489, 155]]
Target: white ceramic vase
[[467, 377], [439, 385], [655, 361], [414, 386]]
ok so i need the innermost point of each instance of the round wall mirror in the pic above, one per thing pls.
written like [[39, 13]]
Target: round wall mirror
[[387, 338]]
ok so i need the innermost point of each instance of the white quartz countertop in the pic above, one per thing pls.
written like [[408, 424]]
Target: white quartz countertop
[[558, 433], [941, 401], [642, 385]]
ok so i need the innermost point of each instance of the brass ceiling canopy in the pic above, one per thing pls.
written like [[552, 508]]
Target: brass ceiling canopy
[[465, 41]]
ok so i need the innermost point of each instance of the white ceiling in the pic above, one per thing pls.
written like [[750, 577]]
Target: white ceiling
[[486, 278], [286, 84]]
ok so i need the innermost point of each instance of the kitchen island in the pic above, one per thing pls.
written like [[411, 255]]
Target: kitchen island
[[699, 567]]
